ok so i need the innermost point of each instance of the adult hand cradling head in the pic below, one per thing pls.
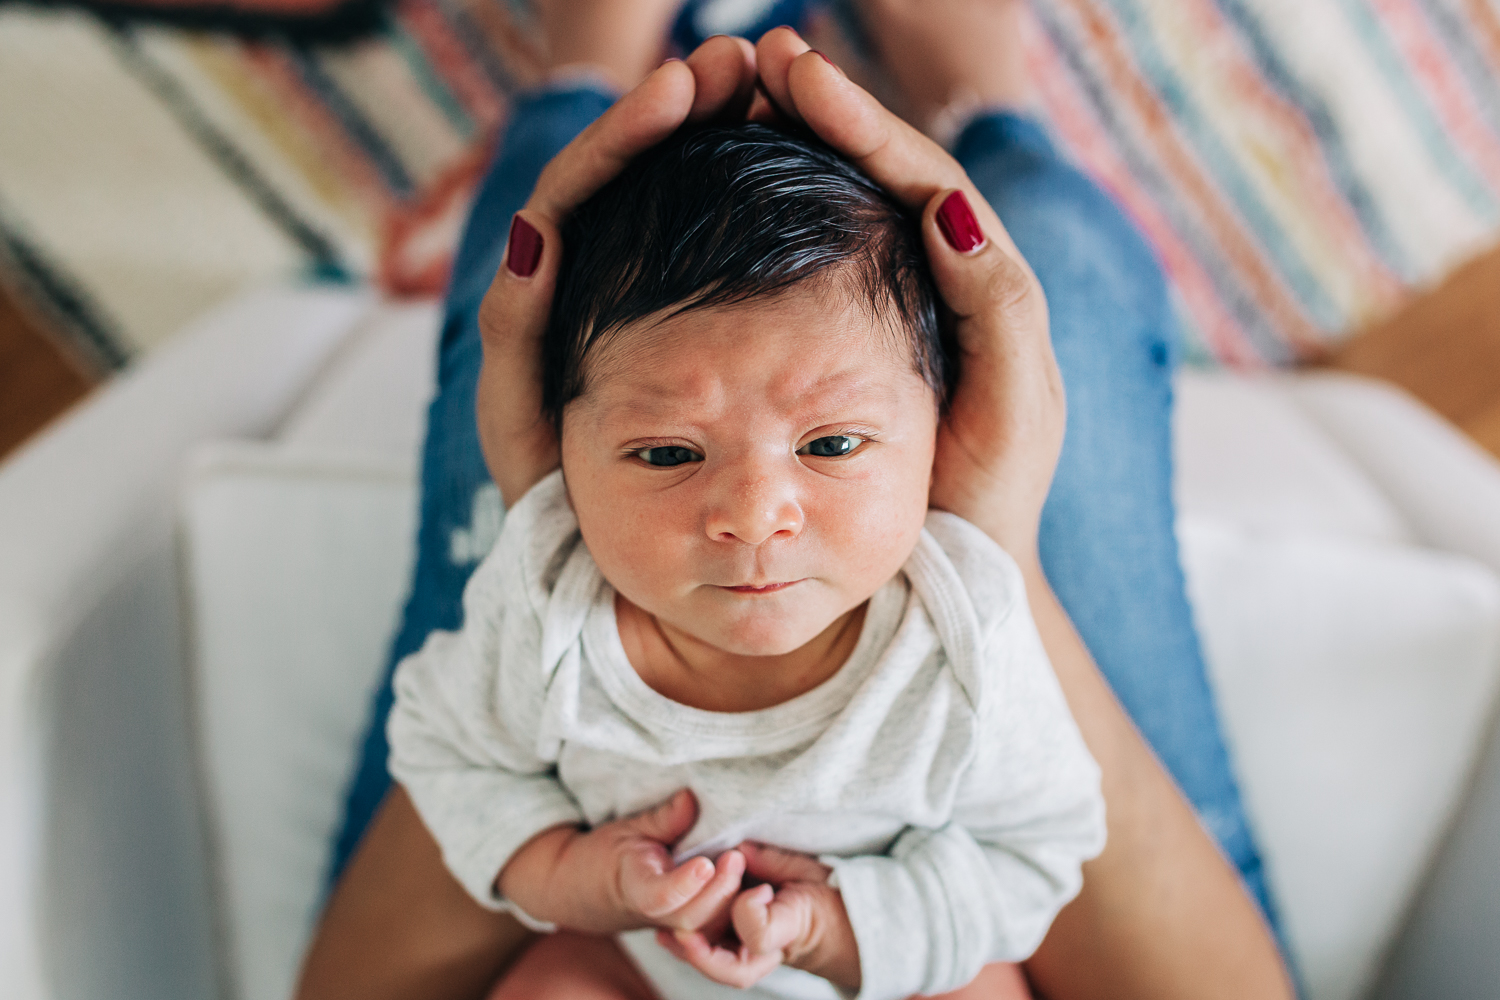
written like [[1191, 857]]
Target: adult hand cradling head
[[998, 443]]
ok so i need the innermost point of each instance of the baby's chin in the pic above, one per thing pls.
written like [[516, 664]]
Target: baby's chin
[[758, 634]]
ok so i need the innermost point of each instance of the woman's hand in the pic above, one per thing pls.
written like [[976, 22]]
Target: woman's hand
[[793, 918], [717, 80], [999, 441]]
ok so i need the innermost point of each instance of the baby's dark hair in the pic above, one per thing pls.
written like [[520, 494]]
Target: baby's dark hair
[[720, 215]]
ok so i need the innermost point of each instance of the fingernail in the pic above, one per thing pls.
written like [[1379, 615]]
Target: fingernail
[[959, 225], [825, 58], [670, 59], [525, 248]]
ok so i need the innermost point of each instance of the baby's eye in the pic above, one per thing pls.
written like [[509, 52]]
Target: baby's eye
[[832, 446], [668, 455]]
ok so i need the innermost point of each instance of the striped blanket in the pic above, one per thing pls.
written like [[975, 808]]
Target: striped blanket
[[1299, 165]]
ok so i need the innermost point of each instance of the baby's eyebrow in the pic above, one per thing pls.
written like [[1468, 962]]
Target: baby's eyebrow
[[825, 401]]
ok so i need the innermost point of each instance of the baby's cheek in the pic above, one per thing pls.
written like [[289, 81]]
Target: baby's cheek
[[871, 536]]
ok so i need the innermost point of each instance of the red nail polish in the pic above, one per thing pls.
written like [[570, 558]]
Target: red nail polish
[[525, 248], [826, 59], [958, 223]]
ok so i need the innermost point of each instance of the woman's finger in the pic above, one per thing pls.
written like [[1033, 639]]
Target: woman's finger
[[1000, 438], [633, 124], [774, 54], [724, 71], [721, 67], [519, 446], [811, 89]]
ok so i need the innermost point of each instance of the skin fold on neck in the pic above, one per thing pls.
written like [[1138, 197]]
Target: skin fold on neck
[[691, 672]]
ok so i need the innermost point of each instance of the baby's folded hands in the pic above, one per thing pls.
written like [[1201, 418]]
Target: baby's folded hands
[[793, 917], [620, 877]]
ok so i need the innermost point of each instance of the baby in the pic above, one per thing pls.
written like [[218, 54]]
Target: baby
[[734, 587]]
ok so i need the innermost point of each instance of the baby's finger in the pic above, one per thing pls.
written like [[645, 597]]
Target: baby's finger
[[750, 918], [709, 910], [777, 866], [666, 822], [652, 892], [737, 968], [769, 923]]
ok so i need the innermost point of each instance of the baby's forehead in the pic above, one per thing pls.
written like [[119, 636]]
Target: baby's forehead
[[803, 342]]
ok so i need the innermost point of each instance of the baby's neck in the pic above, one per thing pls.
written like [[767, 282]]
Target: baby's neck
[[690, 672]]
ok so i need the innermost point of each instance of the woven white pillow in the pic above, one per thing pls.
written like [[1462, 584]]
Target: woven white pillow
[[1355, 681], [297, 564]]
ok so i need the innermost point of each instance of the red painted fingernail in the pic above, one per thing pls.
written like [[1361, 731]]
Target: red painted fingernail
[[525, 248], [825, 59], [958, 223]]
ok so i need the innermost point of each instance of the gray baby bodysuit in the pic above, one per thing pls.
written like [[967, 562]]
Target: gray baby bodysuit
[[938, 772]]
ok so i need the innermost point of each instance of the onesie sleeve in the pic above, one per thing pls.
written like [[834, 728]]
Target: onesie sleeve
[[942, 903], [464, 735]]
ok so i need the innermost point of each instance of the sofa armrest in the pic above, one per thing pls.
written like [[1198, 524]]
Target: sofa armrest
[[102, 887]]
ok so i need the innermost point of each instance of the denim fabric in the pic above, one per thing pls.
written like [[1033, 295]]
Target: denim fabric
[[1107, 531], [461, 511], [1108, 542]]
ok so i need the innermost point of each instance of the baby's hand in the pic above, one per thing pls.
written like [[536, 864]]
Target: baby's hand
[[620, 876], [796, 918]]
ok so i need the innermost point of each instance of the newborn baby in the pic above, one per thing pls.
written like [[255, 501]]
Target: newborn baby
[[734, 587]]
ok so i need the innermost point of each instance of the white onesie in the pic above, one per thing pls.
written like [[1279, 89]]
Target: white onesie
[[938, 771]]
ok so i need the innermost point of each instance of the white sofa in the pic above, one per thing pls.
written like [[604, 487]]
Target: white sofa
[[201, 567]]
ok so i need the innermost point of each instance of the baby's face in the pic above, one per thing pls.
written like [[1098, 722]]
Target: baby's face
[[749, 474]]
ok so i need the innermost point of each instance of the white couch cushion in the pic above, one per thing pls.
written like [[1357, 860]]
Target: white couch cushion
[[102, 887], [1248, 455], [1355, 682], [297, 564], [1447, 487], [373, 399]]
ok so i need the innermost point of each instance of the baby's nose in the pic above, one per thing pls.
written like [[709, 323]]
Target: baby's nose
[[752, 509]]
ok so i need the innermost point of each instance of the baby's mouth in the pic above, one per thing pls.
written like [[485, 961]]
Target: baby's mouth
[[764, 588]]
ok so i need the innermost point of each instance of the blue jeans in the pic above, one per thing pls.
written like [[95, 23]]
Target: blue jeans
[[1107, 531]]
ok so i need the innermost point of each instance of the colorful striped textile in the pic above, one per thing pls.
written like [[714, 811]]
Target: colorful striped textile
[[1299, 165]]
